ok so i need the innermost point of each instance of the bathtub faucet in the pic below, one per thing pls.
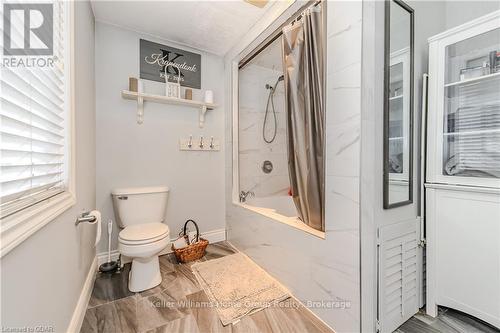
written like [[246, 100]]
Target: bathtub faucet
[[244, 195]]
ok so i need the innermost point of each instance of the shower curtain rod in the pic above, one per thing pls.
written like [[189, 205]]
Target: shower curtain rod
[[277, 33], [298, 17]]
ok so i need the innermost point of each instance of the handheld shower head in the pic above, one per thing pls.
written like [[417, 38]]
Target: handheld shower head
[[280, 78], [270, 102]]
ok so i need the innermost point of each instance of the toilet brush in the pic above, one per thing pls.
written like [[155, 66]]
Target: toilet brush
[[110, 266]]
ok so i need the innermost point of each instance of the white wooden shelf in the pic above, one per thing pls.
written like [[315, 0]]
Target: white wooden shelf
[[142, 97], [473, 80], [166, 100], [473, 132]]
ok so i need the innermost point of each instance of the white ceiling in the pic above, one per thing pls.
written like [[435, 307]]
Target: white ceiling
[[213, 26]]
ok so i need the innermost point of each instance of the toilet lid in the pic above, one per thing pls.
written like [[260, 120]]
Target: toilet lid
[[143, 232]]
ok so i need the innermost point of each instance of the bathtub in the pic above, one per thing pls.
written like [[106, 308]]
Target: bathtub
[[279, 204], [280, 208]]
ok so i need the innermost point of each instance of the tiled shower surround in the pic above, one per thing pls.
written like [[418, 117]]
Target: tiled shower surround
[[315, 269], [253, 149]]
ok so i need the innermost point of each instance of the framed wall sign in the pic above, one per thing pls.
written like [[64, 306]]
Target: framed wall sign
[[155, 57]]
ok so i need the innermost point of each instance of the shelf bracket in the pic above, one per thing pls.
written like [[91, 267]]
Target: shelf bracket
[[140, 110], [203, 110]]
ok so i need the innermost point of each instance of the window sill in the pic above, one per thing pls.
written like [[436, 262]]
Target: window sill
[[291, 221], [17, 228]]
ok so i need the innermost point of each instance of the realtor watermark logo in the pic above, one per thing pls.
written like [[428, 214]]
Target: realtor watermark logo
[[28, 35]]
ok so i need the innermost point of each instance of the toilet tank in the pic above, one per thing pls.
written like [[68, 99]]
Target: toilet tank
[[137, 205]]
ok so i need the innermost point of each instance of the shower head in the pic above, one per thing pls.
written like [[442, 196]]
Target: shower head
[[280, 78]]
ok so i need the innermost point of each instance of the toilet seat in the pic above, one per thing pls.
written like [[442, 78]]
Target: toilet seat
[[143, 233]]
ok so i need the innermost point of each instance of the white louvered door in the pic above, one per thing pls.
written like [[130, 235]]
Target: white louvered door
[[399, 269]]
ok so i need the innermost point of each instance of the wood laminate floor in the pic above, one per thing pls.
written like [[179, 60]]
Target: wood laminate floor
[[447, 321], [177, 305]]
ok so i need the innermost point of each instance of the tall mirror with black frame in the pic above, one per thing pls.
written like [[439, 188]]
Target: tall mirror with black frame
[[398, 104]]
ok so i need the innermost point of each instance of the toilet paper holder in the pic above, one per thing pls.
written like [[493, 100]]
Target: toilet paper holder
[[85, 217]]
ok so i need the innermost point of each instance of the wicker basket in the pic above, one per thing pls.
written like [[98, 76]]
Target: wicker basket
[[192, 251]]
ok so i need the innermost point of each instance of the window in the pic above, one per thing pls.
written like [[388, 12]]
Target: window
[[35, 111]]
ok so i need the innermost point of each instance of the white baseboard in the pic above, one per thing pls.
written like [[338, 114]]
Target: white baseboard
[[81, 306], [215, 236], [212, 236], [103, 257]]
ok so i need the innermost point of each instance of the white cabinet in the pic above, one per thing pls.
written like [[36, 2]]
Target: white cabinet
[[463, 252], [463, 170], [464, 105]]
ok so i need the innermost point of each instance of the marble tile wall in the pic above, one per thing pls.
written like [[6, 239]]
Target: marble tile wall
[[253, 97], [323, 273]]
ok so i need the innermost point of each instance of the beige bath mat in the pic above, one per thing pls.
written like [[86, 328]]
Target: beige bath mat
[[236, 286]]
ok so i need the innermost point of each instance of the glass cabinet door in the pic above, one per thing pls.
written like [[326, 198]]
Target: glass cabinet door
[[471, 133]]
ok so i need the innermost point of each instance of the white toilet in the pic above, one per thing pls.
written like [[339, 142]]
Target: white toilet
[[140, 211]]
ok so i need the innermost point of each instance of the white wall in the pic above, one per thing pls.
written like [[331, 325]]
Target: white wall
[[459, 12], [129, 154], [253, 99], [41, 279], [317, 269]]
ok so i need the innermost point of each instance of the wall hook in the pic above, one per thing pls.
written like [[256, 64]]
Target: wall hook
[[192, 144]]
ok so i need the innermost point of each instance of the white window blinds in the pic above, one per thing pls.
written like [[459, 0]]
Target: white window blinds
[[33, 127]]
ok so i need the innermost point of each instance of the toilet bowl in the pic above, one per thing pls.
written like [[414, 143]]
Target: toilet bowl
[[142, 243], [140, 212]]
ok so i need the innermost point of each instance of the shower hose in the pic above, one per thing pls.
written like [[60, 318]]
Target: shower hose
[[270, 100]]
